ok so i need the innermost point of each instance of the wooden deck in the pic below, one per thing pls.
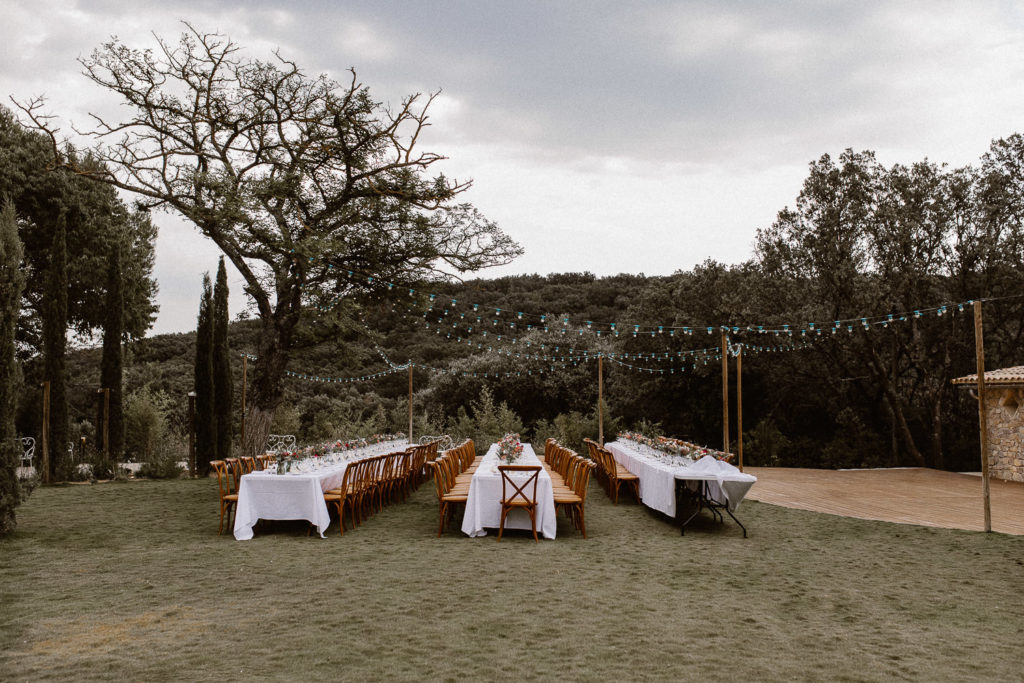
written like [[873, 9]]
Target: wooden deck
[[908, 496]]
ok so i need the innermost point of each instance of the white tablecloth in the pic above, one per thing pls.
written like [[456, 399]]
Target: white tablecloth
[[483, 506], [296, 495], [726, 484]]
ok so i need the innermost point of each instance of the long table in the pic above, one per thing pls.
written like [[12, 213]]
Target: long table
[[265, 494], [710, 482], [483, 505]]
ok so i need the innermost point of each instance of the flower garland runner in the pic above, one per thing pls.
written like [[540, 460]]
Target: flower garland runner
[[674, 447], [509, 449], [287, 460]]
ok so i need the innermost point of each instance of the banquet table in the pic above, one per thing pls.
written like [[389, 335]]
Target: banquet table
[[483, 505], [711, 482], [299, 494]]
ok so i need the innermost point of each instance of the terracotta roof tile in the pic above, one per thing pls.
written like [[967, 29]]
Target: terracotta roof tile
[[1014, 375]]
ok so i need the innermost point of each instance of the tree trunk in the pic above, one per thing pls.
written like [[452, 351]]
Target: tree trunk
[[892, 398], [268, 379], [55, 329]]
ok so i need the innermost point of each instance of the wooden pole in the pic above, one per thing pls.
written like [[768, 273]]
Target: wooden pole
[[410, 403], [725, 393], [979, 346], [106, 423], [600, 399], [245, 361], [45, 436], [739, 405]]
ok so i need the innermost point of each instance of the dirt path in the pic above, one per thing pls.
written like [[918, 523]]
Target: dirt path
[[910, 496]]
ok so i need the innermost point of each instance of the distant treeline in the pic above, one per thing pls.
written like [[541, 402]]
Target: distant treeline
[[862, 240]]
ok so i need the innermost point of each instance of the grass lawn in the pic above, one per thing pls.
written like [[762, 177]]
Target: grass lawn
[[130, 581]]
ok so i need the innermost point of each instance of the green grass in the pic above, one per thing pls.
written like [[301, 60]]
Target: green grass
[[130, 581]]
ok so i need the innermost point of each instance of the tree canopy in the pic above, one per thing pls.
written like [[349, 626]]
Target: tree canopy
[[312, 189]]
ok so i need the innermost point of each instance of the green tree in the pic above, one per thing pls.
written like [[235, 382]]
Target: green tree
[[206, 414], [312, 189], [94, 221], [112, 363], [55, 325], [222, 383], [12, 281]]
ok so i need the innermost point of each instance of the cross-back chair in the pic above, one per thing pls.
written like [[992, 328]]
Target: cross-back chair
[[447, 500], [227, 498], [523, 494]]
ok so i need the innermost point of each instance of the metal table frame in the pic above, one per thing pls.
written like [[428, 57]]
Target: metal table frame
[[700, 497]]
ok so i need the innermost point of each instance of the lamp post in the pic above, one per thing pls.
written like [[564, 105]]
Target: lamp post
[[192, 433]]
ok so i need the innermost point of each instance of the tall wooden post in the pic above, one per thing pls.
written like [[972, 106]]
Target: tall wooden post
[[982, 418], [739, 405], [725, 393], [600, 399], [245, 360], [44, 438], [106, 422], [410, 403], [192, 433]]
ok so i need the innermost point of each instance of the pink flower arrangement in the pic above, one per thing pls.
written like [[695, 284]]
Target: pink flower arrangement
[[509, 448]]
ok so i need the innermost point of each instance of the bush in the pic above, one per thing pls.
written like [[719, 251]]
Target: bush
[[148, 437]]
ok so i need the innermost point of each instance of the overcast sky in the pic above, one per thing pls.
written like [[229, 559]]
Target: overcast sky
[[603, 136]]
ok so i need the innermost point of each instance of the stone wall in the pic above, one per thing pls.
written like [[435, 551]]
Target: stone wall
[[1005, 435]]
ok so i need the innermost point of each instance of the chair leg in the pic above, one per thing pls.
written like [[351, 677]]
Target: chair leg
[[220, 527], [582, 525], [501, 524], [440, 525], [533, 524]]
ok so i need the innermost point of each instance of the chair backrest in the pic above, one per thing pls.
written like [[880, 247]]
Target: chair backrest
[[439, 487], [223, 480], [28, 449], [519, 488], [281, 442], [266, 460], [248, 463], [583, 469], [235, 468], [569, 471], [608, 463]]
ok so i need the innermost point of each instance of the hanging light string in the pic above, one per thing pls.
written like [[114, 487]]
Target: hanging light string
[[619, 329]]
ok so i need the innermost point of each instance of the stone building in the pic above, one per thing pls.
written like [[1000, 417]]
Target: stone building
[[1004, 406]]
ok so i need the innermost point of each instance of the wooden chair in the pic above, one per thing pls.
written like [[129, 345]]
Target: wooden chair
[[575, 499], [519, 498], [227, 498], [344, 495], [266, 460], [234, 466], [248, 464], [618, 475], [601, 471], [446, 500]]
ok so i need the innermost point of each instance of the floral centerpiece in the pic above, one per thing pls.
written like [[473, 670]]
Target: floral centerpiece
[[509, 449]]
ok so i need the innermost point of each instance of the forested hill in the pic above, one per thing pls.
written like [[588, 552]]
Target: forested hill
[[808, 400]]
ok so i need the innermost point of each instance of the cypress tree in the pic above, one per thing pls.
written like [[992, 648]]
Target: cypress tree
[[55, 329], [222, 385], [206, 418], [111, 372], [12, 281]]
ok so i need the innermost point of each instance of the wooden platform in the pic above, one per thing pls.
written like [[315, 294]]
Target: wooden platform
[[909, 496]]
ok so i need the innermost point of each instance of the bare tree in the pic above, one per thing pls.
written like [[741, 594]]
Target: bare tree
[[310, 188]]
